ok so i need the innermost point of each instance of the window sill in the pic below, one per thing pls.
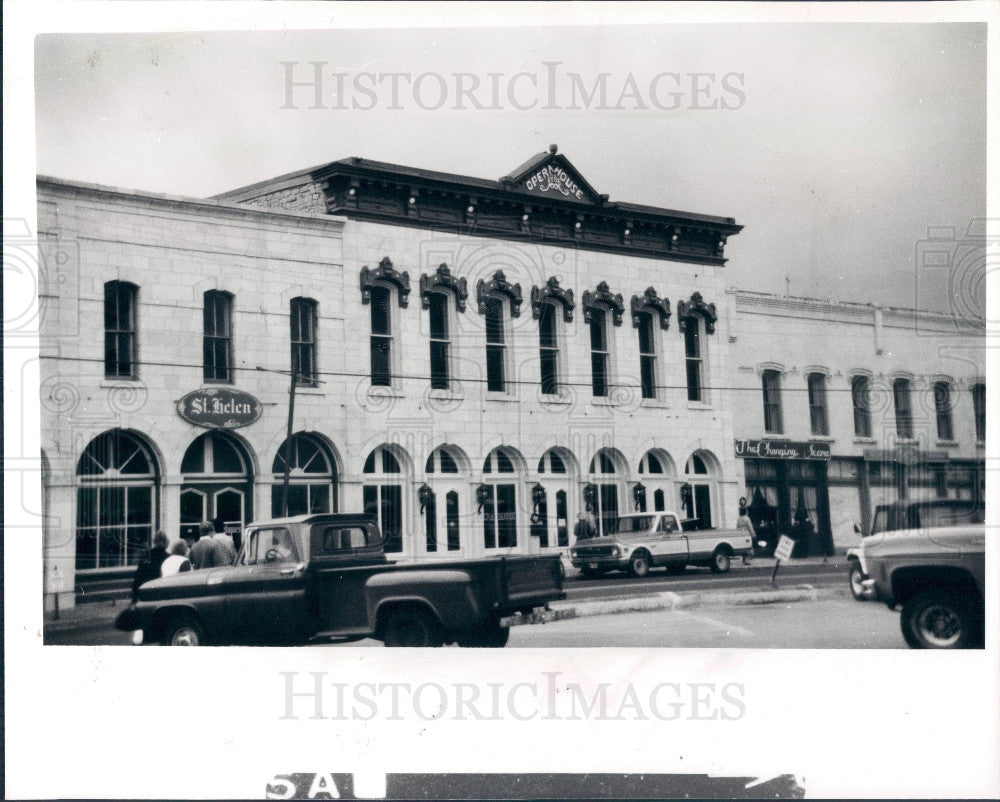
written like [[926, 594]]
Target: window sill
[[445, 395], [300, 390], [602, 401], [777, 436], [865, 441], [654, 403], [947, 444], [504, 398], [699, 405], [822, 438], [562, 400], [379, 391]]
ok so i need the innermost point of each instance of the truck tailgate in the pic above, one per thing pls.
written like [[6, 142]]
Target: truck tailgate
[[531, 580]]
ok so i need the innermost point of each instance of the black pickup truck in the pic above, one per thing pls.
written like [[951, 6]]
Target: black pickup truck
[[326, 576]]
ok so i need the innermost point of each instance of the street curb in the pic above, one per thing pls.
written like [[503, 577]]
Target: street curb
[[559, 611]]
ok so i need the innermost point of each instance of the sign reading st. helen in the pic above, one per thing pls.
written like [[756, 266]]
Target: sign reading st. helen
[[220, 408]]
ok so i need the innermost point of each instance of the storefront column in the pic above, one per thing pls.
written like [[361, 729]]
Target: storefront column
[[170, 508], [59, 538]]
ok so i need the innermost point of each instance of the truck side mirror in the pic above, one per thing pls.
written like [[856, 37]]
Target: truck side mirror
[[857, 528]]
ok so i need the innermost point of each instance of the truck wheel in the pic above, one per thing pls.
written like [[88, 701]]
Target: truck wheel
[[183, 631], [720, 561], [488, 636], [411, 627], [639, 564], [937, 619], [855, 576]]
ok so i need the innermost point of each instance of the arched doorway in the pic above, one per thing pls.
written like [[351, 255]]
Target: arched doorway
[[217, 475], [698, 491], [657, 473], [312, 477], [386, 473], [116, 500], [442, 498], [603, 495], [552, 518], [503, 472]]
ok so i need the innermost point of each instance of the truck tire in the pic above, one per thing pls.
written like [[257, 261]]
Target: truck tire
[[490, 635], [854, 578], [183, 631], [638, 565], [721, 558], [938, 618], [411, 626]]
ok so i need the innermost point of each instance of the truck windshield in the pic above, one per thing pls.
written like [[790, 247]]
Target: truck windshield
[[633, 524]]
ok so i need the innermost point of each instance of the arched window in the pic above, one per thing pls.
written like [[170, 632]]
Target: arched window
[[607, 473], [699, 488], [447, 475], [120, 329], [303, 338], [383, 495], [500, 479], [657, 470], [696, 319], [311, 478], [218, 337], [116, 500], [942, 410], [218, 483]]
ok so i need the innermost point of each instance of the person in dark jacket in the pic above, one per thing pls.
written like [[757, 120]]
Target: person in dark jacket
[[150, 567]]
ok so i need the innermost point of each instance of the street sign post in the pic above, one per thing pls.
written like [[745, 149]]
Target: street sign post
[[782, 553]]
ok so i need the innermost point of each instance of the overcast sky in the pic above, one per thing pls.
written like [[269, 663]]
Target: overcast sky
[[840, 144]]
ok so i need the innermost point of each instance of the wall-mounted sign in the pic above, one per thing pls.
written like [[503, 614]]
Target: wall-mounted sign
[[554, 179], [219, 408], [782, 449]]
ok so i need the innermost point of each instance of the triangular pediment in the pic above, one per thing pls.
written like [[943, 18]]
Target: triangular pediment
[[552, 176]]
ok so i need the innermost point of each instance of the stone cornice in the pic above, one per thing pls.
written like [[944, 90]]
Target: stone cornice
[[650, 299], [602, 297], [552, 291], [443, 279], [385, 272], [498, 285], [696, 306]]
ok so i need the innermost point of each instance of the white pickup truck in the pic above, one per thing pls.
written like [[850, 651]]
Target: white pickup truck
[[644, 540]]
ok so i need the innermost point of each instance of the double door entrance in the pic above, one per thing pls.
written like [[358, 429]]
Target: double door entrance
[[230, 503], [790, 497]]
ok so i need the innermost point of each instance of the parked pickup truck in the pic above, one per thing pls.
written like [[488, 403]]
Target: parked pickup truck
[[907, 515], [326, 576], [937, 576], [645, 540]]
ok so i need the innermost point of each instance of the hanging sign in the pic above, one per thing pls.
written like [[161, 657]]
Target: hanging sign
[[782, 449], [220, 408]]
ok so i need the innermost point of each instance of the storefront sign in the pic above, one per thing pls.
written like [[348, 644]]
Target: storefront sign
[[554, 179], [782, 449], [220, 408], [783, 551]]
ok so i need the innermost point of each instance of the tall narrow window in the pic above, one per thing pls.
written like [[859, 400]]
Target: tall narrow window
[[904, 410], [303, 335], [562, 519], [599, 354], [647, 354], [500, 504], [119, 329], [979, 409], [430, 522], [381, 336], [817, 404], [771, 384], [942, 409], [693, 358], [451, 520], [860, 389], [548, 347], [496, 379], [218, 342], [439, 340]]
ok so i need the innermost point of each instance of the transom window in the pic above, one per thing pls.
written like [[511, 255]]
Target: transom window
[[218, 338], [440, 461], [120, 300], [551, 462], [311, 478]]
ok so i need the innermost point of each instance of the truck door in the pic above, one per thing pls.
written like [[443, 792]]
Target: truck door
[[672, 545], [265, 591], [339, 554]]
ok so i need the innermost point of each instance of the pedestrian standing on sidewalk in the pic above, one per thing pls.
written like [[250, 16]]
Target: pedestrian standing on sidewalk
[[150, 567], [744, 522], [223, 549], [178, 561], [203, 552]]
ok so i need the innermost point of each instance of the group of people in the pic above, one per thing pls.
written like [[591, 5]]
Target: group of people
[[212, 548]]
